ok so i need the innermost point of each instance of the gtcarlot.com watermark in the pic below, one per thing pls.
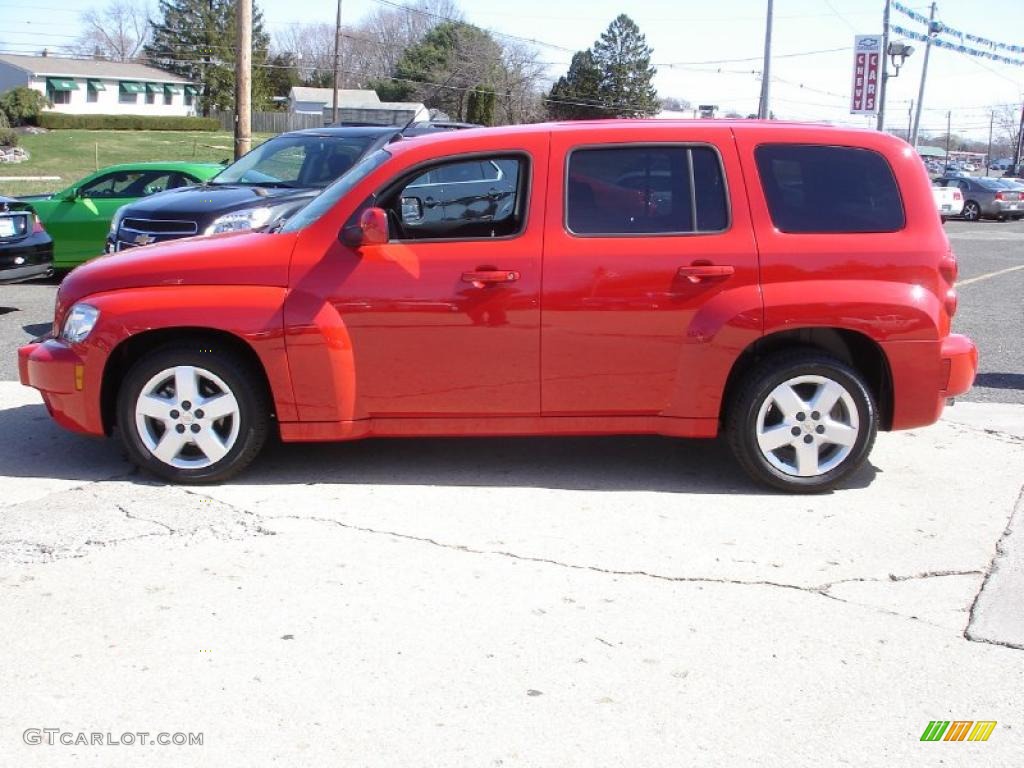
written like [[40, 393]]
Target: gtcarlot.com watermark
[[58, 736]]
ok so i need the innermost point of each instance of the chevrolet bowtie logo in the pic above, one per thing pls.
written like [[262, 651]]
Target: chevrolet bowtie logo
[[144, 239]]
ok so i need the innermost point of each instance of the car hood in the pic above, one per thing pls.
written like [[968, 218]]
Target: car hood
[[188, 201], [234, 258]]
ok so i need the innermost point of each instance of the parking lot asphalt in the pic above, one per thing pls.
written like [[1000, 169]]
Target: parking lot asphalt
[[532, 602]]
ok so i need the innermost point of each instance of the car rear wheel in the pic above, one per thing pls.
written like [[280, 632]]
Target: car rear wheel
[[803, 423], [192, 416], [972, 211]]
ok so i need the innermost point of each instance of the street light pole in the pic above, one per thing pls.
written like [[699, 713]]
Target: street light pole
[[885, 65], [924, 75], [766, 74]]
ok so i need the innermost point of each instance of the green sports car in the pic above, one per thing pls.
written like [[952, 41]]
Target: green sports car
[[78, 217]]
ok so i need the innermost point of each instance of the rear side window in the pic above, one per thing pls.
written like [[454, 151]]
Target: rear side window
[[645, 190], [822, 189]]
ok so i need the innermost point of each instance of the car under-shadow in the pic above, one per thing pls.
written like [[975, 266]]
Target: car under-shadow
[[998, 380], [36, 447]]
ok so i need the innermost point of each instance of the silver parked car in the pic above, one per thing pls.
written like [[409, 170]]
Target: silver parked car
[[986, 198]]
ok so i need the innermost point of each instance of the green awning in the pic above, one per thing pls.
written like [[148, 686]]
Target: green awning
[[191, 89], [128, 87], [59, 84], [96, 85], [154, 87], [172, 89]]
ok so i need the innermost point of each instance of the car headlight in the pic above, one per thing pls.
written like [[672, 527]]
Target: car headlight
[[79, 323], [237, 221], [115, 223]]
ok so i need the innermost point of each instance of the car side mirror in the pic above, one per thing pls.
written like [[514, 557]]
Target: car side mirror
[[69, 195], [372, 229]]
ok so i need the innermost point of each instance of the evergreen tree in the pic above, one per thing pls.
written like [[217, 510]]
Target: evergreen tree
[[624, 58], [197, 40], [612, 79], [480, 106], [577, 94]]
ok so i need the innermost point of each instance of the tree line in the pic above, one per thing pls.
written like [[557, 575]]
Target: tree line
[[424, 51]]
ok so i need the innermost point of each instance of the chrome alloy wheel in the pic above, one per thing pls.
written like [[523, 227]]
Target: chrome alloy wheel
[[807, 426], [187, 417]]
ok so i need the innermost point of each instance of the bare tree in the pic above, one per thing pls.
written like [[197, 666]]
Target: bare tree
[[370, 49], [1008, 128], [116, 31], [519, 81]]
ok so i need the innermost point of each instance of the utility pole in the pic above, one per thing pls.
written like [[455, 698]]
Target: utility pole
[[910, 119], [885, 65], [337, 62], [243, 80], [763, 109], [988, 153], [1020, 143], [924, 75], [949, 129]]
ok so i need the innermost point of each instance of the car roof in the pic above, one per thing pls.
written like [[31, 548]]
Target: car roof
[[170, 165], [783, 131], [359, 131]]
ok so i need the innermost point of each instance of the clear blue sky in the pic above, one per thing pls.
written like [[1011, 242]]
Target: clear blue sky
[[685, 33]]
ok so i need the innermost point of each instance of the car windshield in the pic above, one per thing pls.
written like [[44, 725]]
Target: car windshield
[[308, 162], [327, 199]]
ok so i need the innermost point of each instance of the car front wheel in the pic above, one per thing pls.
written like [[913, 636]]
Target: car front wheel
[[804, 422], [192, 415]]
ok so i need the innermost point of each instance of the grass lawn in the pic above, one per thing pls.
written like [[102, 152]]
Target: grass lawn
[[72, 154]]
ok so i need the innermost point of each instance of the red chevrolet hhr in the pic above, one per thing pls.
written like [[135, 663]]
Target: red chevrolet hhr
[[790, 285]]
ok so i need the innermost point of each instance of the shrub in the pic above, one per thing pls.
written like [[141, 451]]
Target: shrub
[[59, 120], [8, 137], [22, 105]]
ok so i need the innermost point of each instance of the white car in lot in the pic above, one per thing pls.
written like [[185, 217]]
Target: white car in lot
[[948, 200]]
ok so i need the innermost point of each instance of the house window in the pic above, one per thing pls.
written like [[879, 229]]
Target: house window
[[150, 97], [125, 97], [92, 96], [188, 97], [60, 97], [168, 98]]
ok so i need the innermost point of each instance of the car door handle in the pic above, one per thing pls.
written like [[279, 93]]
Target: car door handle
[[695, 273], [481, 277]]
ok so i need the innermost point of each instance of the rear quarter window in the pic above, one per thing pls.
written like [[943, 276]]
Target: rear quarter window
[[825, 189]]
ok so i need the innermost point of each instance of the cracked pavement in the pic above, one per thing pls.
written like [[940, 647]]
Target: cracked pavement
[[574, 602]]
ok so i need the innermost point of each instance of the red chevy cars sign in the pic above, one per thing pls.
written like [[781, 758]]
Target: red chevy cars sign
[[867, 71]]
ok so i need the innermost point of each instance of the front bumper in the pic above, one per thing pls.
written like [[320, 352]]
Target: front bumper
[[60, 374]]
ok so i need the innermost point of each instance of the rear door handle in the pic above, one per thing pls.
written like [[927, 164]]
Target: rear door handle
[[695, 273], [482, 277]]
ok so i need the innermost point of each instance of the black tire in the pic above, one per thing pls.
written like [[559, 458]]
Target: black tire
[[972, 211], [244, 383], [743, 413]]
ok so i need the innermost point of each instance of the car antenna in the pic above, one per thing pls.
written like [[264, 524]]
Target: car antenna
[[411, 121]]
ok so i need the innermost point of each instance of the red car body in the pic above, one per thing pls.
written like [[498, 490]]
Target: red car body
[[595, 335]]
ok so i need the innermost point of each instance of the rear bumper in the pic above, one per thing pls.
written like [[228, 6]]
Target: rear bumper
[[925, 374], [26, 259], [959, 364], [58, 372]]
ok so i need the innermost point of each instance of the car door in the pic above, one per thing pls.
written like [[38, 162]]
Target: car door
[[79, 225], [648, 256], [443, 320]]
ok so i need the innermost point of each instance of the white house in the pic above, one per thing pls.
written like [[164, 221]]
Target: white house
[[354, 106], [92, 86]]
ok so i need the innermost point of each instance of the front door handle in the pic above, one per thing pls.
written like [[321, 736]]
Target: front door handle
[[696, 273], [481, 277]]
